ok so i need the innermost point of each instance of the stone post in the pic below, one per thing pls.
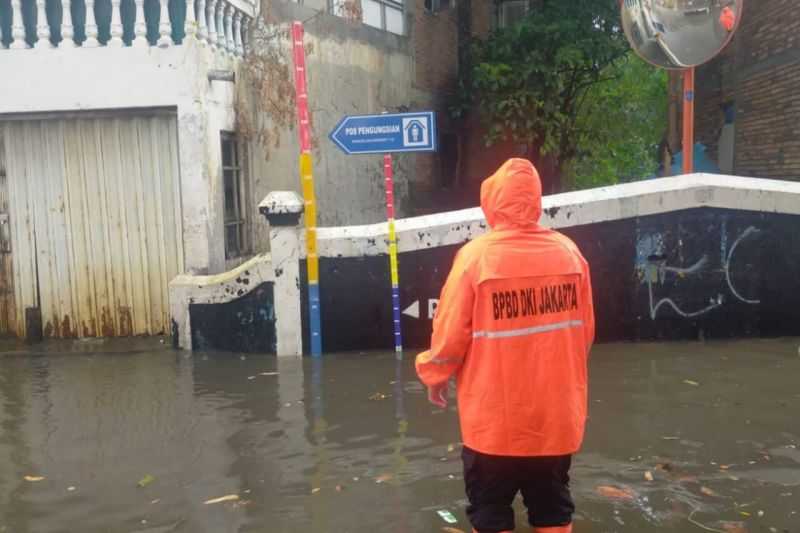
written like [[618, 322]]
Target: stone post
[[283, 211]]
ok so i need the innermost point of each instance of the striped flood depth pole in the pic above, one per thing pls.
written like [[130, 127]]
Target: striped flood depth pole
[[307, 182], [388, 173]]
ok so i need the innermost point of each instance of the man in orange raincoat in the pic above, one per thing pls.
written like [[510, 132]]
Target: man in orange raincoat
[[514, 325], [727, 18]]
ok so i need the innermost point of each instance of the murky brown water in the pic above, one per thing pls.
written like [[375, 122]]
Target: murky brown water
[[349, 444]]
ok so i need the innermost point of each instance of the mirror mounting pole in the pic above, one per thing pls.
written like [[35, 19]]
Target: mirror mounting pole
[[688, 120]]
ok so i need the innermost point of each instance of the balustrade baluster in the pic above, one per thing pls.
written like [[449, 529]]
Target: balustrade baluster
[[17, 27], [67, 30], [116, 29], [211, 12], [202, 27], [220, 25], [91, 26], [42, 27], [237, 33], [140, 26], [164, 26], [190, 24], [230, 47]]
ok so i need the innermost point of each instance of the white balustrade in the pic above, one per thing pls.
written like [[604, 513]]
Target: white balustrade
[[164, 26], [91, 26], [190, 22], [116, 25], [140, 27], [17, 27], [223, 25], [42, 27]]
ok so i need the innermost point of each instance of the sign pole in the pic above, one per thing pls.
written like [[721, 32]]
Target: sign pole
[[385, 134], [307, 183], [688, 120], [388, 173]]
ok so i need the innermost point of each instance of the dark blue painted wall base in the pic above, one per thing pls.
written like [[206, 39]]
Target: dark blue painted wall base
[[701, 273], [243, 325]]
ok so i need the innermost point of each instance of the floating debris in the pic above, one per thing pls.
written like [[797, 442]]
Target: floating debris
[[34, 479], [379, 396], [447, 516], [733, 527], [383, 478], [648, 476], [146, 480], [616, 493], [703, 526], [709, 492], [222, 499], [692, 383]]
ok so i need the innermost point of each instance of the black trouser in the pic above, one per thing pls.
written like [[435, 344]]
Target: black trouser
[[493, 482]]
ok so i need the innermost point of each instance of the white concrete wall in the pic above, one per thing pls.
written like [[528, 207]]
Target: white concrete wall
[[617, 202], [82, 79]]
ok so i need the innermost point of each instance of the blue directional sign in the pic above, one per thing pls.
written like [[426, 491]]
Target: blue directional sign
[[385, 134]]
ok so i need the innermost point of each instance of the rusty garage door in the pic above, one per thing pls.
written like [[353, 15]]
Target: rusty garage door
[[93, 223]]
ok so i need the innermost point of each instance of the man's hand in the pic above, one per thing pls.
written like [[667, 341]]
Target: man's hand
[[437, 395]]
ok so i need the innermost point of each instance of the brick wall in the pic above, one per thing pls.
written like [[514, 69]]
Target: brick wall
[[437, 38], [760, 73], [435, 45]]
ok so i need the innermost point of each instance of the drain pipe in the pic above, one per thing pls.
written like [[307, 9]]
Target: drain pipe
[[283, 210]]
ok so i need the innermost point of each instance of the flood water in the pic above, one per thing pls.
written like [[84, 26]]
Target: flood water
[[349, 444]]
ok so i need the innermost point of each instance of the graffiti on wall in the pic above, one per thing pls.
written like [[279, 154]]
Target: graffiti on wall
[[653, 268]]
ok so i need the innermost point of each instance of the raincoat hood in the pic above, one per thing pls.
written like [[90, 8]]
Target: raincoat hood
[[512, 197]]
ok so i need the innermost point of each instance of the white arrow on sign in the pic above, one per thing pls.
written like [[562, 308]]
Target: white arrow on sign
[[412, 310]]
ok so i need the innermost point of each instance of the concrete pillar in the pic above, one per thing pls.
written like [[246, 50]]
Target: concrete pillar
[[283, 211]]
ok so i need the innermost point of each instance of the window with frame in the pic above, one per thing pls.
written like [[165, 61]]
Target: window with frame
[[511, 11], [235, 190], [386, 15], [435, 6]]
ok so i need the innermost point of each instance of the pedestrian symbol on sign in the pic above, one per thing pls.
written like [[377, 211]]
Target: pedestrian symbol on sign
[[415, 131]]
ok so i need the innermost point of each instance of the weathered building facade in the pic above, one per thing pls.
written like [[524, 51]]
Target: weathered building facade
[[110, 122], [122, 157]]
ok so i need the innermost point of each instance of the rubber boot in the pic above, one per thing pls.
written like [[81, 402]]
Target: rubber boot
[[559, 529]]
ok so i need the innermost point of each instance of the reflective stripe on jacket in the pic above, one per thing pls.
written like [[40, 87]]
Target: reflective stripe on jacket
[[514, 324]]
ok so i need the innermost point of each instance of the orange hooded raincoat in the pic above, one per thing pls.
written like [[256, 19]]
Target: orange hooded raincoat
[[727, 18], [514, 324]]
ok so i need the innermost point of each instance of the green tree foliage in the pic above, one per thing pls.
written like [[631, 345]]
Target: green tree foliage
[[545, 82], [621, 126]]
